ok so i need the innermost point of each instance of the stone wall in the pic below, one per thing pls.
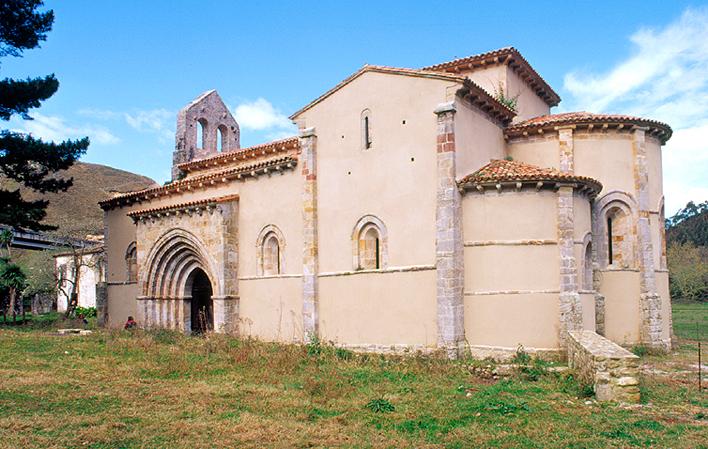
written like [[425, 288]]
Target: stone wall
[[609, 368], [448, 238], [171, 245]]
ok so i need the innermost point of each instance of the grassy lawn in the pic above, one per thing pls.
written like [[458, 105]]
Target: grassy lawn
[[691, 320], [164, 390]]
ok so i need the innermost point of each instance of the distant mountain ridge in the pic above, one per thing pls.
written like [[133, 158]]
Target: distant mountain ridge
[[76, 211]]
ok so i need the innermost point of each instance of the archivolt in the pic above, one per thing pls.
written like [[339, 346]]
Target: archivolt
[[173, 257]]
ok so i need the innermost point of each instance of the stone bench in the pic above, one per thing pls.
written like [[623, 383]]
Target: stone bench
[[608, 367]]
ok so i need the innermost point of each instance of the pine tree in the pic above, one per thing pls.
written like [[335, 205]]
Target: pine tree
[[27, 160]]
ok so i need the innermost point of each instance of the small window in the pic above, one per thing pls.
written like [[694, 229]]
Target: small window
[[619, 238], [221, 138], [131, 261], [366, 138], [370, 249], [587, 267], [271, 255], [270, 245], [201, 133]]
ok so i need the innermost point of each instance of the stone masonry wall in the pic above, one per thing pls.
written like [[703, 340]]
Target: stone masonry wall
[[309, 225], [649, 301], [211, 234], [571, 315], [609, 368], [449, 245]]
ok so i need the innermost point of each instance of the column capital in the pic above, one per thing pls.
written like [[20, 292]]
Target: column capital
[[308, 132], [444, 108]]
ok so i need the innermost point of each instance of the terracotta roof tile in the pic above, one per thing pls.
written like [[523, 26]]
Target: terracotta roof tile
[[186, 205], [509, 56], [508, 171], [183, 185], [589, 119], [264, 149]]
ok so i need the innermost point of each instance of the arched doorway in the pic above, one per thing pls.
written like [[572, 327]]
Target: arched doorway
[[202, 310]]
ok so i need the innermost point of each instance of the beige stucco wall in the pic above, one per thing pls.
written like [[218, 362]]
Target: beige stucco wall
[[587, 301], [622, 318], [511, 298], [271, 308], [488, 78], [379, 309], [477, 139], [395, 179], [509, 215], [538, 150], [121, 303], [504, 321], [528, 103], [609, 158]]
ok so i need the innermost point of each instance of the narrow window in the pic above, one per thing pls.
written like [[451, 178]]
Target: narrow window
[[587, 268], [131, 261], [201, 133], [369, 250], [221, 138], [609, 241], [271, 255], [366, 137]]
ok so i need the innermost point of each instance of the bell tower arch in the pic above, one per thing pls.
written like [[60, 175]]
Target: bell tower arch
[[204, 127]]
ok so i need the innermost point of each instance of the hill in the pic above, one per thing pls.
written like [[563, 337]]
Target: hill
[[76, 211]]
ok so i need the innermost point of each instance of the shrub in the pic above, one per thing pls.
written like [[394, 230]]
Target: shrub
[[380, 405], [87, 312], [688, 271]]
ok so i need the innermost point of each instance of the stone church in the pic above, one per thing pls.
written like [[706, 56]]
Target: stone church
[[417, 209]]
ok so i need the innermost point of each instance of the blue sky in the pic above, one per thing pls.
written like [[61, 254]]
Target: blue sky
[[126, 67]]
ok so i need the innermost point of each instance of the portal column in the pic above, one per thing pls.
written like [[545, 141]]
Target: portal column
[[225, 309], [309, 218], [448, 238]]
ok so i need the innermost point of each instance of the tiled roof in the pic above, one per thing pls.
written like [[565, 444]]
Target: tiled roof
[[183, 206], [592, 121], [508, 171], [509, 56], [291, 143], [380, 69], [239, 172]]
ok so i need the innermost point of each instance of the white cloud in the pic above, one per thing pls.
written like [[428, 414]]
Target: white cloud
[[154, 120], [54, 128], [665, 78], [260, 115], [101, 114]]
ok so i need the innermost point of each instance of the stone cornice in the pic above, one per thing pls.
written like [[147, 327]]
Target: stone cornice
[[588, 122], [275, 165], [242, 155], [189, 208]]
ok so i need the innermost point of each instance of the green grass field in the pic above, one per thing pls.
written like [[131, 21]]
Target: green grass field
[[164, 390]]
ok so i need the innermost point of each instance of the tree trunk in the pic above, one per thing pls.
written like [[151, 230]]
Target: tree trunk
[[12, 304]]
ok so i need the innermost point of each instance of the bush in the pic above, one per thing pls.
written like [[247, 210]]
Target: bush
[[87, 312], [688, 271], [380, 405]]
